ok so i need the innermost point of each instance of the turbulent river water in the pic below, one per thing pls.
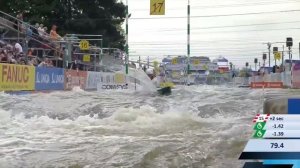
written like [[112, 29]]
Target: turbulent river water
[[195, 127]]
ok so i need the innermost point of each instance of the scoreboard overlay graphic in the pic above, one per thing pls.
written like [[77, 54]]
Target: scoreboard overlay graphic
[[275, 140]]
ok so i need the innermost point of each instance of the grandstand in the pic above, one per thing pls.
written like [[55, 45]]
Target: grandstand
[[22, 43]]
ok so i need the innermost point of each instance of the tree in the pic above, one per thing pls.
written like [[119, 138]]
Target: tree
[[99, 17]]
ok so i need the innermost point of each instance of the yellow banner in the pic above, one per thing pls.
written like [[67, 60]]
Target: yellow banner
[[17, 77], [157, 7]]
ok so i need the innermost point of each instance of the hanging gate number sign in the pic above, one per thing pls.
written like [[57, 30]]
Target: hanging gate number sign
[[157, 7], [84, 45]]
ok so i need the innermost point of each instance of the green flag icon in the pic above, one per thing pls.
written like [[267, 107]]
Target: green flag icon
[[259, 134], [259, 126]]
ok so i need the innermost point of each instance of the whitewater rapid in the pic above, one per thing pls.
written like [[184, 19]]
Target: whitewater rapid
[[195, 127]]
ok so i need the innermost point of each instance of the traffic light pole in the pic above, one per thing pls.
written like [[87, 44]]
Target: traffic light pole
[[126, 44], [269, 47], [188, 37], [282, 55]]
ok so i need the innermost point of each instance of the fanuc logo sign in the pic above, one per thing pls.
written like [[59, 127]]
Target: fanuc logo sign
[[16, 77]]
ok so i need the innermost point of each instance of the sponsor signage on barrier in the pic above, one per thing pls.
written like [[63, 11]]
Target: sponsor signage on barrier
[[74, 78], [16, 77], [95, 78], [112, 81], [103, 86], [296, 76], [49, 79], [119, 78], [266, 85]]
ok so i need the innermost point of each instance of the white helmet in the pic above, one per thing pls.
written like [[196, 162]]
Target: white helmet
[[149, 71]]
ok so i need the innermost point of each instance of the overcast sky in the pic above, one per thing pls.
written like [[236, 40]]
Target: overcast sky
[[238, 38]]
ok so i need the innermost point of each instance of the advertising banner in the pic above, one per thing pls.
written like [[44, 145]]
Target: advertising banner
[[296, 75], [74, 78], [49, 79], [96, 78], [16, 77], [266, 85], [93, 78], [112, 81], [112, 86]]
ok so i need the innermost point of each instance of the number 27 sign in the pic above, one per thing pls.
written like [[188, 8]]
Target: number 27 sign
[[157, 7]]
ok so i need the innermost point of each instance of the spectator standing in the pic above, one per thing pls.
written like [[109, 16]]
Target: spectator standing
[[55, 37], [18, 48], [3, 57], [2, 32], [46, 63], [33, 61], [22, 62], [43, 63], [30, 53], [53, 34], [41, 30], [11, 57], [35, 31], [29, 32], [49, 63], [45, 32], [18, 23]]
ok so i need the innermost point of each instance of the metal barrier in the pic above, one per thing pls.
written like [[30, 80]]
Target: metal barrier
[[89, 55]]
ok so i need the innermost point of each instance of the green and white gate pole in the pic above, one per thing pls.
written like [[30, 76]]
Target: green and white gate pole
[[126, 45], [188, 37]]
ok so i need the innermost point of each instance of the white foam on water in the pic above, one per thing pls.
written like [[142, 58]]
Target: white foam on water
[[137, 126], [77, 89], [145, 81], [4, 117], [143, 117]]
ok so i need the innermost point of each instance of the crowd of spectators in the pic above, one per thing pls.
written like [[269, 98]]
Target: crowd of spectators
[[12, 53], [38, 31], [40, 40], [44, 48]]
